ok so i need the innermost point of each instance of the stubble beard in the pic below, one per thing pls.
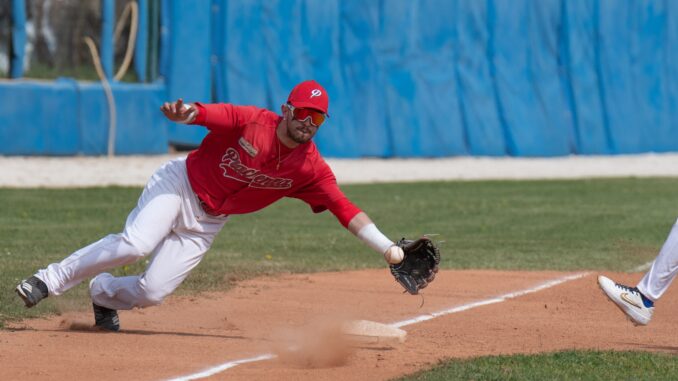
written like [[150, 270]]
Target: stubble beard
[[296, 135]]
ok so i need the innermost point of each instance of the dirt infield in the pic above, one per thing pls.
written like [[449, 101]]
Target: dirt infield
[[187, 335]]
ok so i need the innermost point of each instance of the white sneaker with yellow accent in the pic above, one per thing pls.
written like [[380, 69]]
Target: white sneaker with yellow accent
[[635, 305]]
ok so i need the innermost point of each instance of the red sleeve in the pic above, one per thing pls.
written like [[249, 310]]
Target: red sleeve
[[324, 194], [223, 116]]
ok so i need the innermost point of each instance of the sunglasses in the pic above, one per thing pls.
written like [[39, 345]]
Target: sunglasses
[[301, 114]]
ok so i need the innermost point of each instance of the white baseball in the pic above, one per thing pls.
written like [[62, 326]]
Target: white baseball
[[394, 255]]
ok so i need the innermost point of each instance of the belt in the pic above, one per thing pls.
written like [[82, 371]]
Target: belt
[[205, 208]]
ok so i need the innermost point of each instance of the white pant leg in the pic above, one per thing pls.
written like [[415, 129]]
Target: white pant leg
[[174, 258], [664, 268], [147, 225]]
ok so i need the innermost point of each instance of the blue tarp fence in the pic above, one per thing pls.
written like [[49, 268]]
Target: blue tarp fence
[[423, 78]]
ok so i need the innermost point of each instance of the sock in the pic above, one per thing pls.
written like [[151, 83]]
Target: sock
[[646, 302]]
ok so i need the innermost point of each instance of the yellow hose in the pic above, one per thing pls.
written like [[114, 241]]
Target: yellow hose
[[109, 95], [133, 9]]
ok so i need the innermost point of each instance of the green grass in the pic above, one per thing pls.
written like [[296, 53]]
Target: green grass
[[569, 365], [536, 225]]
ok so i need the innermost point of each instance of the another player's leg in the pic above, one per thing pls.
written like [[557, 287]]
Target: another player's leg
[[638, 302], [633, 303], [663, 270]]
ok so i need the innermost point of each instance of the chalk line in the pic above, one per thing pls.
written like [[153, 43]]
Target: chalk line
[[417, 319], [643, 267]]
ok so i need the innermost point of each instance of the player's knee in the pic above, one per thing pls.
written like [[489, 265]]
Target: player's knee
[[151, 299], [136, 248], [149, 295]]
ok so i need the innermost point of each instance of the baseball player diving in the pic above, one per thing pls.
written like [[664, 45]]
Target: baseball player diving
[[250, 158]]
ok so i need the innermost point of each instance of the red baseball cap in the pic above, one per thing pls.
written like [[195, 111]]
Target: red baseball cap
[[309, 94]]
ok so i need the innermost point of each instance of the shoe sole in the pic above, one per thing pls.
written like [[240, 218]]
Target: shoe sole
[[23, 296], [106, 329], [629, 318]]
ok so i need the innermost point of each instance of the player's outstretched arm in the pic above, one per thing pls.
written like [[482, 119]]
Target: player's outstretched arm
[[362, 227], [179, 111]]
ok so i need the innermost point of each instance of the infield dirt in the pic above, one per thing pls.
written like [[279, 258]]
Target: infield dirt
[[189, 334]]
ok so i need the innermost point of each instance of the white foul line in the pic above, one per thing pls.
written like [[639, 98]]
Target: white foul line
[[222, 367], [418, 319], [498, 299], [642, 267]]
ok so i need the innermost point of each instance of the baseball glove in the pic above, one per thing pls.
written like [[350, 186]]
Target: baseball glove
[[419, 266]]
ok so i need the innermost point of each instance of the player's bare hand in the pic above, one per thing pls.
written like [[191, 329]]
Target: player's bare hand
[[178, 111]]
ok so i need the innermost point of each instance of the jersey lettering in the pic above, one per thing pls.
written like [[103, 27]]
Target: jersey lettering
[[254, 177]]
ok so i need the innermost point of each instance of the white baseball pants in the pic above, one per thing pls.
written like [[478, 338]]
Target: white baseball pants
[[167, 222], [664, 268]]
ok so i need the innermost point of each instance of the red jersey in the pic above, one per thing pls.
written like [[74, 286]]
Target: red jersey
[[241, 166]]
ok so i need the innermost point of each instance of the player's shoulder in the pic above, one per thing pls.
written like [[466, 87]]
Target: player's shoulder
[[320, 166], [312, 153], [255, 111], [258, 119]]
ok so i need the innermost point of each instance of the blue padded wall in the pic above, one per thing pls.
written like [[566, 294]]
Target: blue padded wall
[[425, 78], [458, 77], [140, 128], [186, 60], [66, 117], [39, 118]]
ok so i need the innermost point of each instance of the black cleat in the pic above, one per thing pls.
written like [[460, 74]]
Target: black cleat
[[106, 318], [32, 291]]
